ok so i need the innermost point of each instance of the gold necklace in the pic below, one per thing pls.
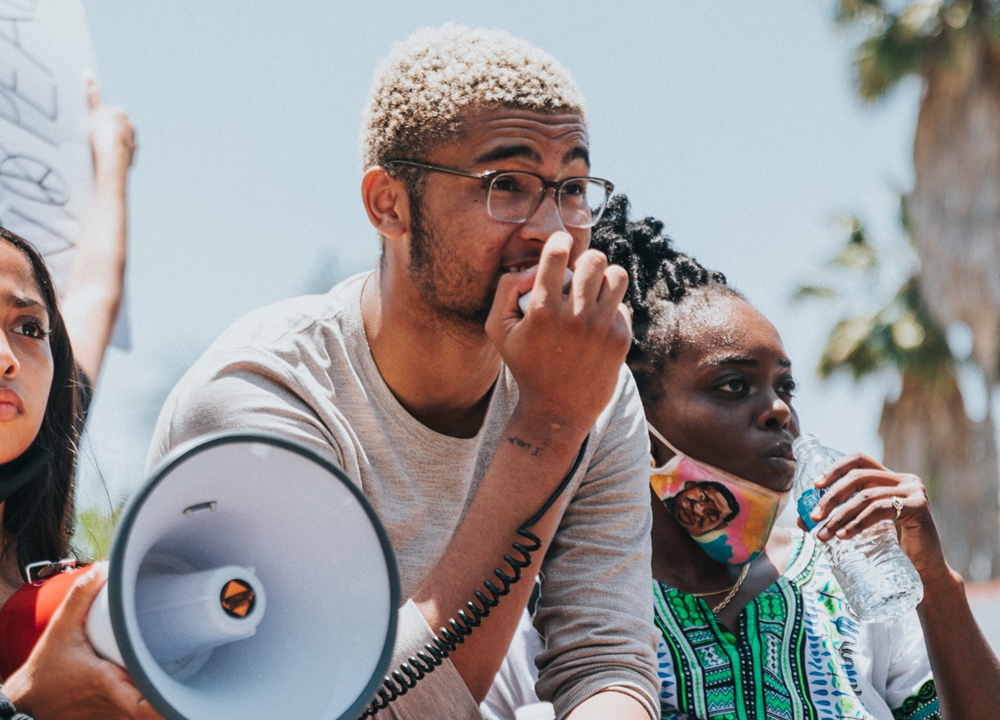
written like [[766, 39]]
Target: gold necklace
[[732, 592], [719, 592]]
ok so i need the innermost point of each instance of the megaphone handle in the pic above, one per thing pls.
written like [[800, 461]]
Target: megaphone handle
[[400, 681], [99, 631]]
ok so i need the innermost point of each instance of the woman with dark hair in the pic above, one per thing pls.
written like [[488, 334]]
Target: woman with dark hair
[[40, 517], [38, 450], [41, 401], [754, 625]]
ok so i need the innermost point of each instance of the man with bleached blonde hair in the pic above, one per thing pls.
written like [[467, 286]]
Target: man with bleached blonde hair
[[457, 413]]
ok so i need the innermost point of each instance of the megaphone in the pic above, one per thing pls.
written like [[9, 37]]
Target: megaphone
[[249, 578]]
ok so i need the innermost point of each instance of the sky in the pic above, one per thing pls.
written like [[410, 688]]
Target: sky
[[736, 123]]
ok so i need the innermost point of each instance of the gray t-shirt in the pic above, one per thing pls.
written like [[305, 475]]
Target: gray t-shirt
[[302, 369]]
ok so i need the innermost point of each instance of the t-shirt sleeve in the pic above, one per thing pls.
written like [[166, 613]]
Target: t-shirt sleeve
[[248, 391], [910, 691], [594, 612]]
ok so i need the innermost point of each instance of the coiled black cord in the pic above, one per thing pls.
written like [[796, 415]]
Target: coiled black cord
[[446, 641]]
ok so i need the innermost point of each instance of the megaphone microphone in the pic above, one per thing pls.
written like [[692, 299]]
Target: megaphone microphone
[[184, 614], [249, 578]]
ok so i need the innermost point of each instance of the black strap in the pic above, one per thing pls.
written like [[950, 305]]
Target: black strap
[[9, 712]]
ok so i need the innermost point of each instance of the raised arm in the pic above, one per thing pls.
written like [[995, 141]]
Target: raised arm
[[966, 671], [94, 292], [566, 354]]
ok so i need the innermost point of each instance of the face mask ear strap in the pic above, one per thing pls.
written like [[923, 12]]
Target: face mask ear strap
[[711, 468], [659, 436]]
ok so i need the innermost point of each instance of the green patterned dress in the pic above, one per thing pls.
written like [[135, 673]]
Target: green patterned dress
[[798, 652]]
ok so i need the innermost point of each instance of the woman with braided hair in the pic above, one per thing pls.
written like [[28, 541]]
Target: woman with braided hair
[[753, 623]]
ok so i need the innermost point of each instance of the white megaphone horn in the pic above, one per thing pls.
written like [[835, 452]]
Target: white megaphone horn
[[249, 578]]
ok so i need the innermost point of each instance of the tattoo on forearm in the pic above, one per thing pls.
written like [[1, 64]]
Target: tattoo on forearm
[[534, 450]]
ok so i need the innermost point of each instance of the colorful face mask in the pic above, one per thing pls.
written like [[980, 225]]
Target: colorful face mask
[[731, 518]]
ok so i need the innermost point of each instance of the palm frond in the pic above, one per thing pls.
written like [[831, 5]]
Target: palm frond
[[898, 334], [917, 38], [897, 51], [94, 530], [902, 335], [919, 343], [853, 346], [866, 11], [803, 292], [858, 253], [904, 215]]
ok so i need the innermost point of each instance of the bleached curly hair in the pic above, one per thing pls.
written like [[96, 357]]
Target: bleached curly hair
[[429, 79]]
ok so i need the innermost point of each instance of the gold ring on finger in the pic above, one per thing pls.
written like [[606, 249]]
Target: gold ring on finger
[[898, 504]]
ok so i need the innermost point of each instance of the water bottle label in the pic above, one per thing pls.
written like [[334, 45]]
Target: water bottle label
[[807, 501]]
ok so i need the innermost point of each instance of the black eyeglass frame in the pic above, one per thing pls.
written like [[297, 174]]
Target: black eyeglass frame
[[490, 176]]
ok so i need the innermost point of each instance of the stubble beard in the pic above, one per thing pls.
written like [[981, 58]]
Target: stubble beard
[[448, 287]]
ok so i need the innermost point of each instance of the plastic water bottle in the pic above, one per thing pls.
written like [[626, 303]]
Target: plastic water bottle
[[878, 579]]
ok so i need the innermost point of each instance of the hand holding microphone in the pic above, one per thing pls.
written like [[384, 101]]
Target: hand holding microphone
[[524, 300], [566, 338]]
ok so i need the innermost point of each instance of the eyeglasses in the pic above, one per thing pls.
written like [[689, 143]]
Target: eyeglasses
[[513, 196]]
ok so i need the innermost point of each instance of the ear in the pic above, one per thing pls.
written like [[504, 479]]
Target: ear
[[386, 203]]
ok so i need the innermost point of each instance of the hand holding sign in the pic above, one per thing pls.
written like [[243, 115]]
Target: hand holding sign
[[112, 137], [93, 295], [62, 187]]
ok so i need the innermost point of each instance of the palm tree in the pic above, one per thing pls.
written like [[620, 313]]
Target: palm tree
[[95, 527], [925, 430], [954, 47]]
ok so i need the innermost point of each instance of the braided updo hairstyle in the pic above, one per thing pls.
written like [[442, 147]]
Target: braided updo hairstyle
[[665, 288]]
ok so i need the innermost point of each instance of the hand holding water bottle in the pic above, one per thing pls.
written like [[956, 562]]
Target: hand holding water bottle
[[878, 579], [860, 492], [850, 497]]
